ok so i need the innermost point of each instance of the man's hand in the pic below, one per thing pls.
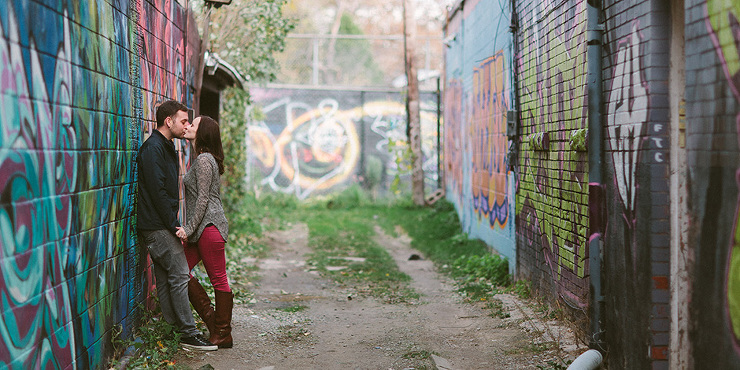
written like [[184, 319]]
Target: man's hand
[[181, 233]]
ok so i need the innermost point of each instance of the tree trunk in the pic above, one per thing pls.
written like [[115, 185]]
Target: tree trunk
[[330, 69], [412, 104]]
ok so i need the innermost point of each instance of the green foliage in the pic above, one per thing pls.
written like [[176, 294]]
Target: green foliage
[[497, 309], [354, 58], [248, 33], [293, 309], [155, 345], [435, 231], [521, 288], [233, 127], [351, 197], [419, 355], [401, 153], [489, 267], [373, 174]]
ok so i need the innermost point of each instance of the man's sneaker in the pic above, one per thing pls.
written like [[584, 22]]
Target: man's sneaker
[[197, 342]]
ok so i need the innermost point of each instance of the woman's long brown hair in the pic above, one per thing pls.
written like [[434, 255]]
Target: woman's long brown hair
[[208, 140]]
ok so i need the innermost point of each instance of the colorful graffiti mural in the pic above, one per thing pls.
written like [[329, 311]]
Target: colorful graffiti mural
[[490, 167], [318, 149], [35, 234], [724, 29], [71, 118], [478, 95], [552, 194]]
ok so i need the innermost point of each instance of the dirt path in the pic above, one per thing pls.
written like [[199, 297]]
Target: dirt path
[[338, 330]]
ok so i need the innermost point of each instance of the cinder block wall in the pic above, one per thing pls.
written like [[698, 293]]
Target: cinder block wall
[[478, 93], [552, 195], [80, 80], [712, 133]]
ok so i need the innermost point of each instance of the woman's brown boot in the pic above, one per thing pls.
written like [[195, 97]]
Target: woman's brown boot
[[202, 304], [224, 304]]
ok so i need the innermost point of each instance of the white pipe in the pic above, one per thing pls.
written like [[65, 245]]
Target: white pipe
[[589, 360]]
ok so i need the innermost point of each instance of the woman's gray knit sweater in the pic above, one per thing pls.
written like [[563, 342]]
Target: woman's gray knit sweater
[[203, 198]]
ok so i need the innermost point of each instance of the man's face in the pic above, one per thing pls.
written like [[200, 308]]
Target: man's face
[[177, 124]]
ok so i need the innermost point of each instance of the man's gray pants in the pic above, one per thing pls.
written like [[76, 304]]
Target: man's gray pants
[[172, 275]]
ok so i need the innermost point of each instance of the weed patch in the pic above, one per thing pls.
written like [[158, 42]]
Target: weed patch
[[293, 309], [417, 355], [155, 344], [497, 309]]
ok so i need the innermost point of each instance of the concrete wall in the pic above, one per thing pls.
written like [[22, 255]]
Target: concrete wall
[[478, 93], [311, 142], [80, 80]]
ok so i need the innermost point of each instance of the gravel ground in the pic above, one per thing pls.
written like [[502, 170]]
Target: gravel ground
[[340, 329]]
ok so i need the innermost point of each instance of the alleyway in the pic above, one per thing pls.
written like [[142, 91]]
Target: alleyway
[[303, 321]]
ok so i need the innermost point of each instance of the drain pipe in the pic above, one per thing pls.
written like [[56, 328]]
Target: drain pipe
[[597, 200], [589, 360]]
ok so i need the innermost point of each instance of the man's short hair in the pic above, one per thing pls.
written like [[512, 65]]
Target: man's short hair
[[168, 109]]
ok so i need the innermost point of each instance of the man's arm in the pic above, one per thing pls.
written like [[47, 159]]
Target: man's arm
[[154, 181]]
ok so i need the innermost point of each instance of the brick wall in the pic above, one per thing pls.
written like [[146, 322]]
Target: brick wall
[[552, 196], [712, 119], [80, 80], [478, 93], [636, 161]]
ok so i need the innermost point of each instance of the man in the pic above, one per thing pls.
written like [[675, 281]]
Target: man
[[157, 222]]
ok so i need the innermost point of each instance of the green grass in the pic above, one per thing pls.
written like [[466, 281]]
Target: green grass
[[338, 229], [435, 231], [342, 225], [293, 309]]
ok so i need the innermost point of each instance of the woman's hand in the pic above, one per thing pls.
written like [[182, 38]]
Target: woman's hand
[[181, 234]]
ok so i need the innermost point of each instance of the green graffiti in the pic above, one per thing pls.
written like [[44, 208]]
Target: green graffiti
[[723, 16], [554, 93], [560, 203], [554, 178], [723, 21]]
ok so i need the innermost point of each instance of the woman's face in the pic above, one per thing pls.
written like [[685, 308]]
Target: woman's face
[[192, 129]]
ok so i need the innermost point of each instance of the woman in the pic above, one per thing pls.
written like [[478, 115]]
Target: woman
[[206, 229]]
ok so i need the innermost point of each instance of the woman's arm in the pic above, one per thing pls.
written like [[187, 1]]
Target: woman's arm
[[205, 177]]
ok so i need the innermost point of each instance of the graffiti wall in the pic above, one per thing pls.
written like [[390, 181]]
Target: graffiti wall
[[552, 194], [79, 83], [713, 134], [636, 172], [478, 95], [311, 142]]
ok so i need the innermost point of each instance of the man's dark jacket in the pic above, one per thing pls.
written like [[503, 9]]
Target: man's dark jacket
[[158, 184]]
